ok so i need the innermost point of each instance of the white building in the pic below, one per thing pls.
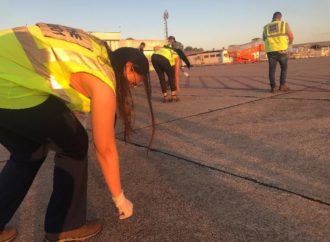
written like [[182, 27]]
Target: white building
[[149, 47], [210, 57], [114, 41]]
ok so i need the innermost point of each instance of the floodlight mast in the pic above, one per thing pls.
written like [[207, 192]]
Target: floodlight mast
[[165, 16]]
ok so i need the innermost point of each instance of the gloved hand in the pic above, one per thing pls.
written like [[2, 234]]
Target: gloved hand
[[125, 206]]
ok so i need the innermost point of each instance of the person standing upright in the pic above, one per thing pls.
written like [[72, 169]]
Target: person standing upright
[[141, 46], [277, 36]]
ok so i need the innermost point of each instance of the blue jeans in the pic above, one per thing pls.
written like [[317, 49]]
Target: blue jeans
[[273, 58]]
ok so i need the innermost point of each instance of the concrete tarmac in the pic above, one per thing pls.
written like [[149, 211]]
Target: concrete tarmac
[[229, 162]]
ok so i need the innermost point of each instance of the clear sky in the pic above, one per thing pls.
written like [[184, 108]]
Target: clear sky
[[204, 24]]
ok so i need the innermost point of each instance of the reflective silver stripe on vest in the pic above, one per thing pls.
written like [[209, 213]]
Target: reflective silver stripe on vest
[[282, 27], [33, 53], [59, 54], [65, 55], [276, 35], [266, 30], [280, 32], [37, 56]]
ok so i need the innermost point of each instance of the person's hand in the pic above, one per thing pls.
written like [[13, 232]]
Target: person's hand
[[125, 206]]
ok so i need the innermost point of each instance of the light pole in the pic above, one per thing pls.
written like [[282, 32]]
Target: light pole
[[165, 16]]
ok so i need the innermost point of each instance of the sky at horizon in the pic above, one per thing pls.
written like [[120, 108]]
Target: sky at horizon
[[208, 24]]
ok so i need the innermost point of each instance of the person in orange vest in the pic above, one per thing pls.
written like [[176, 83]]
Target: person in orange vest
[[277, 36], [48, 72]]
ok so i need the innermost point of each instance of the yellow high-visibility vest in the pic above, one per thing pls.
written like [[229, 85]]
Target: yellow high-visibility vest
[[276, 38], [168, 53], [37, 61]]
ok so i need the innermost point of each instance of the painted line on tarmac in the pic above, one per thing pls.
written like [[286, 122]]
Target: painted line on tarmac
[[194, 162]]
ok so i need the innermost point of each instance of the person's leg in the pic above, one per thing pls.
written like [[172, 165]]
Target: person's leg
[[68, 203], [66, 213], [156, 61], [170, 72], [160, 64], [283, 60], [52, 122], [272, 62], [19, 171]]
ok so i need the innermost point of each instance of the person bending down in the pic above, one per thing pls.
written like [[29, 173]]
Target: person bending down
[[47, 72], [166, 61]]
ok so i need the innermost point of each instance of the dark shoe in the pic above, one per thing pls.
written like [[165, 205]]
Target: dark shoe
[[89, 230], [174, 98], [272, 90], [284, 88], [8, 235]]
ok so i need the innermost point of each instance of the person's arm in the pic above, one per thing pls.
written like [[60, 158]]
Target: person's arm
[[103, 106], [290, 34], [177, 72], [103, 119]]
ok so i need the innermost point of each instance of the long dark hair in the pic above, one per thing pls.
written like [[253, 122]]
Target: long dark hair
[[125, 104]]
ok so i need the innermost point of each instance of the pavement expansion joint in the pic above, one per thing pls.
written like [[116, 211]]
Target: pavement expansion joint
[[201, 113], [305, 99], [255, 181]]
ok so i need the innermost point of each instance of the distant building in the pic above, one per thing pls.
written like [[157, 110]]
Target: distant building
[[112, 38], [209, 57], [149, 47], [308, 50], [253, 51], [114, 41]]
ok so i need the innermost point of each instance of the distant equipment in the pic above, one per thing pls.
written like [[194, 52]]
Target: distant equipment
[[165, 16], [253, 51]]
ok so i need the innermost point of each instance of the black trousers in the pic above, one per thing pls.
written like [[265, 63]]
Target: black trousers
[[162, 66], [27, 134], [273, 58]]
